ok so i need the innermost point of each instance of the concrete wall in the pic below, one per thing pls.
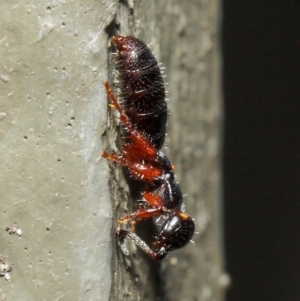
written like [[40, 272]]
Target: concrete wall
[[54, 124], [53, 113]]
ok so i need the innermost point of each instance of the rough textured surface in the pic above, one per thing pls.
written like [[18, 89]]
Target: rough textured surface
[[192, 56], [185, 38], [53, 123], [53, 109]]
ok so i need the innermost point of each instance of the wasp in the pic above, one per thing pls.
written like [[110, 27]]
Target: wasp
[[142, 109]]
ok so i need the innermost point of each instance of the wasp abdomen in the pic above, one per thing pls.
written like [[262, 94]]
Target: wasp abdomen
[[141, 88]]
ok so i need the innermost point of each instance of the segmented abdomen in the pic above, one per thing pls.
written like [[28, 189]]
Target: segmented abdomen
[[140, 88]]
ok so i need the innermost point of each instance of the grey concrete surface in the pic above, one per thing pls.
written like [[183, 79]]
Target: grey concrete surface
[[190, 49], [53, 111], [54, 124]]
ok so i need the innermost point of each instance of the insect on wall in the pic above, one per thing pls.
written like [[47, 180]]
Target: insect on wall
[[140, 101]]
